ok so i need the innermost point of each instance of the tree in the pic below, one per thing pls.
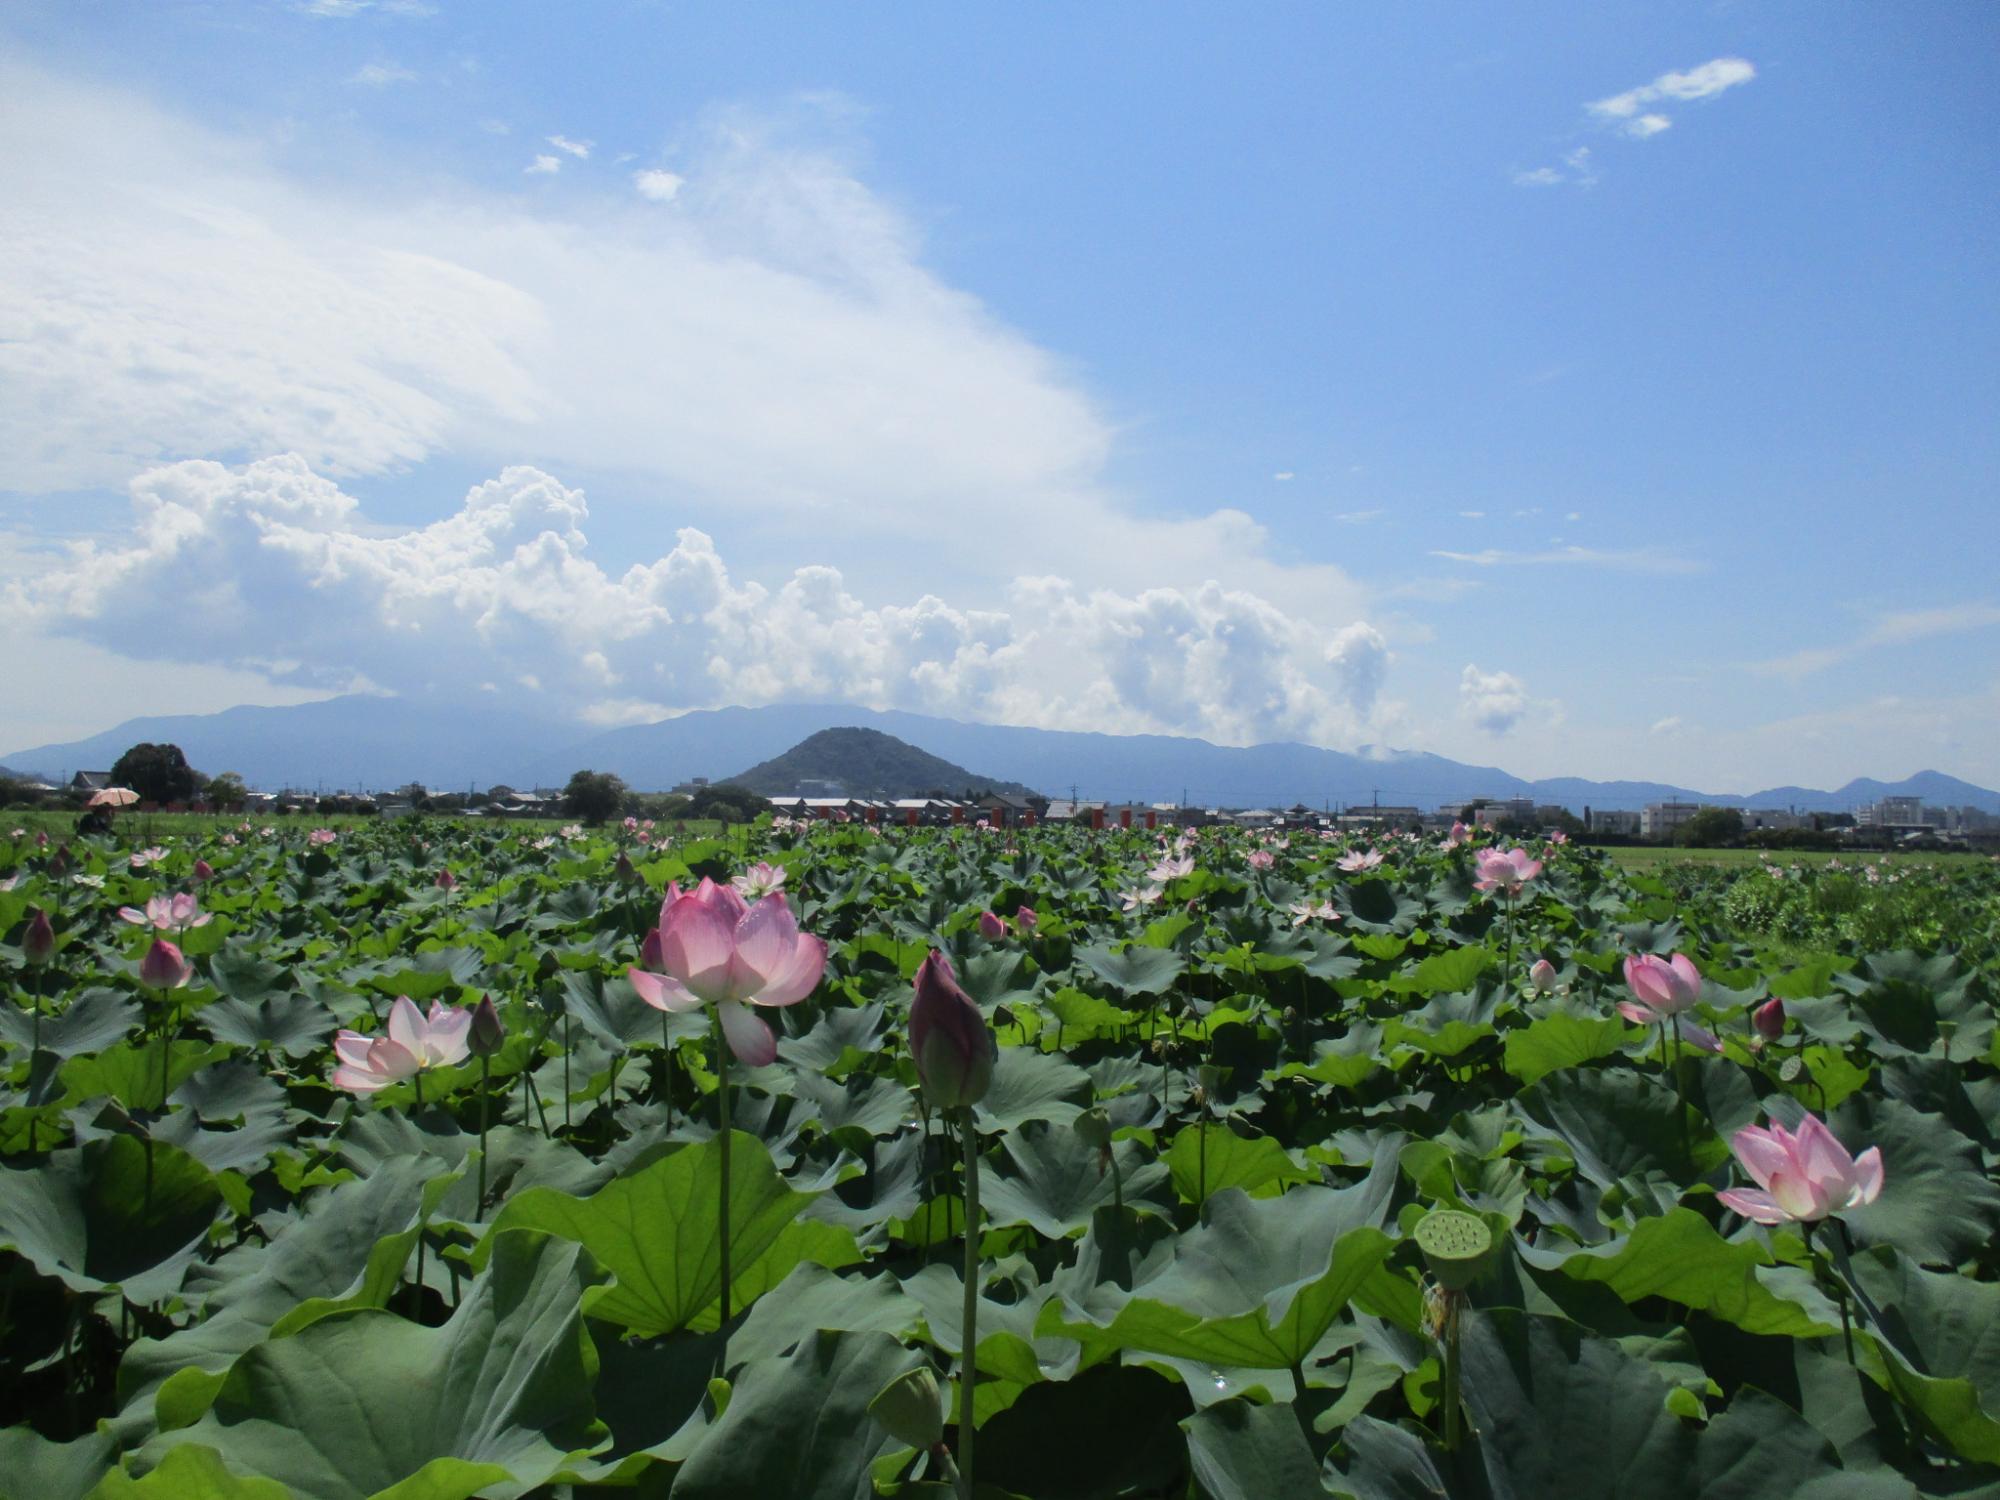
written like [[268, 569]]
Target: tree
[[729, 803], [593, 796], [1710, 828], [228, 792], [158, 773]]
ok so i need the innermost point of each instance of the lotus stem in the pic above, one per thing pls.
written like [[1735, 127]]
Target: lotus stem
[[1453, 1307], [485, 1067], [969, 1378], [722, 1111]]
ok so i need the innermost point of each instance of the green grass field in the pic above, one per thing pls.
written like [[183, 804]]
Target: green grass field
[[1645, 857]]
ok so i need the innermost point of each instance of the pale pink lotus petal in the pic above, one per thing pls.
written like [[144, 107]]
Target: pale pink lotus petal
[[406, 1025], [720, 899], [1763, 1156], [447, 1034], [696, 945], [800, 976], [358, 1080], [1689, 976], [749, 1038], [1800, 1196], [133, 915], [1867, 1177], [1753, 1204], [662, 991], [764, 942], [1640, 1015], [1642, 973], [352, 1047], [1697, 1035], [1820, 1155]]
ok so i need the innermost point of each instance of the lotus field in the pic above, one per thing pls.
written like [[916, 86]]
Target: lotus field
[[429, 1161]]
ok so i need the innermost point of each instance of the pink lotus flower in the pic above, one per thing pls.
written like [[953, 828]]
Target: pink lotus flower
[[1170, 868], [759, 880], [1558, 838], [1358, 863], [164, 967], [953, 1046], [1542, 975], [411, 1043], [143, 857], [320, 837], [1802, 1176], [38, 940], [162, 913], [1769, 1019], [203, 871], [1140, 896], [1664, 988], [1459, 836], [1262, 859], [446, 881], [714, 949], [992, 926], [1307, 911], [1026, 919], [1507, 871]]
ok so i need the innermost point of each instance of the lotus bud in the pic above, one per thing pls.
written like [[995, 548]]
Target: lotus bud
[[487, 1033], [953, 1046], [203, 871], [1026, 919], [992, 926], [446, 881], [59, 862], [625, 869], [1542, 976], [1769, 1019], [164, 967], [910, 1408], [652, 957], [38, 942]]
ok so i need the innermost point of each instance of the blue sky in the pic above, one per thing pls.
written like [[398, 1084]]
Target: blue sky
[[1605, 390]]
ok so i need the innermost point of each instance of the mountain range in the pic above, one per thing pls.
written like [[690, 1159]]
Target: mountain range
[[375, 742]]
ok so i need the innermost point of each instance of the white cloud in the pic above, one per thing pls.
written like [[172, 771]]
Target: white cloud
[[1704, 82], [1539, 177], [1632, 559], [579, 149], [1668, 725], [1473, 515], [1895, 628], [1577, 169], [345, 10], [275, 569], [1283, 475], [543, 165], [1497, 701], [380, 75], [657, 185], [1358, 517]]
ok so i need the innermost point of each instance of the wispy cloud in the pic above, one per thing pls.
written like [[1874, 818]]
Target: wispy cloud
[[1359, 517], [1282, 475], [379, 75], [543, 165], [1896, 628], [346, 10], [660, 186], [1631, 560], [1577, 170], [1628, 112], [579, 149]]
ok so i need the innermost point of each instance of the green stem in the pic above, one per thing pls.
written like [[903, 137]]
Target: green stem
[[722, 1112], [485, 1065], [1201, 1162], [418, 1079], [1453, 1308], [566, 1117], [969, 1378], [34, 1051]]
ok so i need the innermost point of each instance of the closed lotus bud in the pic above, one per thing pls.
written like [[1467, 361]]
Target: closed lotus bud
[[652, 957], [202, 871], [446, 881], [39, 941], [1542, 976], [1026, 919], [992, 926], [1769, 1019], [164, 967], [911, 1408], [59, 862], [625, 869], [487, 1033], [953, 1046]]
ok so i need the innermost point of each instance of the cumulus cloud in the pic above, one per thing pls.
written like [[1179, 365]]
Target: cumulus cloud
[[273, 568], [1704, 82], [543, 165], [657, 185], [1494, 701]]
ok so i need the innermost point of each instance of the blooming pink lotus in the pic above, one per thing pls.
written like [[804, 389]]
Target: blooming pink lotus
[[411, 1043], [713, 948], [164, 967], [1505, 871], [1262, 859], [1140, 896], [953, 1046], [163, 913], [1459, 836], [759, 880], [1665, 990], [320, 837], [1171, 867], [1358, 862], [1802, 1176], [1307, 911]]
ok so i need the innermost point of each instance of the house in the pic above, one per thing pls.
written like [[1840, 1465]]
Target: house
[[1660, 819], [90, 781], [1009, 812]]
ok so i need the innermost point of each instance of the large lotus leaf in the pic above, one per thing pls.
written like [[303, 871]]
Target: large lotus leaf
[[294, 1025], [491, 1404], [658, 1231], [33, 1468], [353, 1238], [1208, 1157], [1112, 1431], [842, 1040], [1760, 1449], [1911, 1002], [245, 1149], [861, 1101], [1032, 1086], [431, 974], [799, 1427], [611, 1009], [999, 976], [1446, 973], [93, 1020], [1561, 1039], [890, 1188], [1136, 970], [1378, 906], [1243, 1451], [244, 975], [1447, 1025], [1943, 1333], [1387, 1462], [1618, 1123], [1680, 1257], [1055, 1182], [1937, 1204], [1260, 1280], [231, 1091], [1344, 1061], [87, 1215], [1559, 1411], [812, 1297], [130, 1072], [189, 1473]]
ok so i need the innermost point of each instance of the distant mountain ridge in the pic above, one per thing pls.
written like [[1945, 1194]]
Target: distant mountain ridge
[[865, 763], [384, 742]]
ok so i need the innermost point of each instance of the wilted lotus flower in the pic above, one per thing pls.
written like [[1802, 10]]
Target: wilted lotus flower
[[1025, 918], [1505, 872], [1769, 1019], [1542, 975], [162, 912], [953, 1045], [412, 1043], [164, 967], [38, 940], [714, 949], [992, 926], [1803, 1177]]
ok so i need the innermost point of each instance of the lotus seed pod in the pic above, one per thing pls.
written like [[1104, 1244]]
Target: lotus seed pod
[[911, 1408], [1457, 1246]]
